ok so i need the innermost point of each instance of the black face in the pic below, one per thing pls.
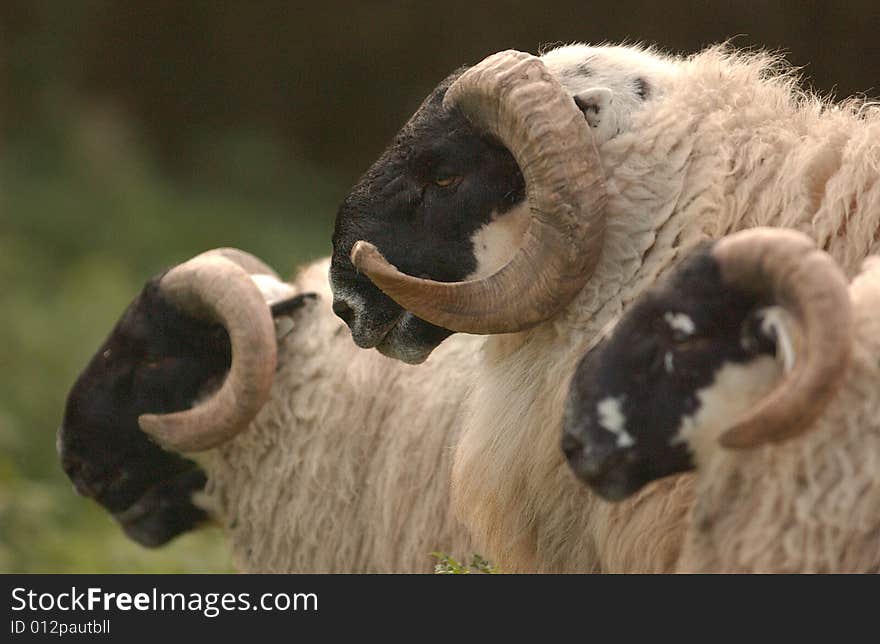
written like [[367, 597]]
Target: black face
[[630, 395], [156, 360], [420, 204]]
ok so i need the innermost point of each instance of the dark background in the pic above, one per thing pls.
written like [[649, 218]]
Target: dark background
[[137, 134]]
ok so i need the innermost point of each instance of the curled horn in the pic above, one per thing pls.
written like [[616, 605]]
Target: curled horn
[[512, 97], [785, 267], [216, 286], [251, 264]]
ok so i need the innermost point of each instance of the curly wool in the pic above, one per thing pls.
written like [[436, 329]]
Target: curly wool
[[347, 467], [725, 141], [811, 504]]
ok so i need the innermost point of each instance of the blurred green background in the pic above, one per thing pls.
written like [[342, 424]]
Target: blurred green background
[[137, 134]]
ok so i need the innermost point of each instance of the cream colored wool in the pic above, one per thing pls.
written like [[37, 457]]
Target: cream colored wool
[[811, 504], [347, 467], [355, 467], [724, 141]]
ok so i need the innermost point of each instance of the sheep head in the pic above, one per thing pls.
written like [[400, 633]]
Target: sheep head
[[158, 388], [413, 256], [744, 344]]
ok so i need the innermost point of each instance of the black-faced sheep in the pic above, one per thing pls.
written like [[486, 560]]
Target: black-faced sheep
[[314, 457], [499, 215], [755, 364]]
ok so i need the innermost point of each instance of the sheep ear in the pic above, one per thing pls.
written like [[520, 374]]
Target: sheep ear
[[283, 312], [771, 330], [283, 301], [596, 104]]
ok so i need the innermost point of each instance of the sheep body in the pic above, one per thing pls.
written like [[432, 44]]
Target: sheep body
[[725, 141]]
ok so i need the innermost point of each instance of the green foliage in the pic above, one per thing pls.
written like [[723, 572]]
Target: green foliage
[[84, 222], [448, 565]]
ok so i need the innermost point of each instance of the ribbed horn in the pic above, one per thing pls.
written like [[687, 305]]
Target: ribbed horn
[[216, 286], [512, 97], [785, 267]]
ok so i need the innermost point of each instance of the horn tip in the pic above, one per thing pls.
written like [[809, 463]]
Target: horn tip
[[366, 257], [735, 440], [151, 425], [170, 437]]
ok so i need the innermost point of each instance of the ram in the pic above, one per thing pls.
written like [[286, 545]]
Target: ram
[[755, 364], [313, 455], [532, 199]]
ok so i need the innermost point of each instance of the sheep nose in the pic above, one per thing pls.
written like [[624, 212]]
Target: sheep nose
[[344, 311], [586, 463], [591, 463], [74, 466], [75, 469], [571, 446]]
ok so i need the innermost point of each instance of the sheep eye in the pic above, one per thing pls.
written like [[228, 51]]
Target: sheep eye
[[680, 338], [153, 363], [445, 182]]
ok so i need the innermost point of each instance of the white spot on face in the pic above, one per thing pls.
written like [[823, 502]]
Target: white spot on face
[[612, 419], [496, 242], [736, 389], [667, 362], [680, 323]]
